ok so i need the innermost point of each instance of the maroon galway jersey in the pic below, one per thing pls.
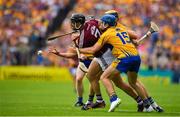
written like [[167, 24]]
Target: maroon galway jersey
[[89, 34]]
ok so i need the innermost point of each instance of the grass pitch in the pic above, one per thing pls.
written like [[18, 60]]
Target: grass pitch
[[52, 98]]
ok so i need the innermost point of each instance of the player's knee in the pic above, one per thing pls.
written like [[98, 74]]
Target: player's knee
[[79, 80]]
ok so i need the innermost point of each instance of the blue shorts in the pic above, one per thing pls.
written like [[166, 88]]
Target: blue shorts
[[86, 62], [131, 63]]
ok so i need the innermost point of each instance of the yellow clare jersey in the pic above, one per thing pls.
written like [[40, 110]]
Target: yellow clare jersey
[[119, 39]]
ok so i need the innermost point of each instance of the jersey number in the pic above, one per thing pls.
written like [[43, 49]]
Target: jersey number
[[94, 31], [124, 37]]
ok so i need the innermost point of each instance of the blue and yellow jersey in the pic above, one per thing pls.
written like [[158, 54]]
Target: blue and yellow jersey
[[119, 39]]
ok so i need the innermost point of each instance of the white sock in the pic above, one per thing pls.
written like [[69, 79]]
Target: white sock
[[99, 101], [154, 105]]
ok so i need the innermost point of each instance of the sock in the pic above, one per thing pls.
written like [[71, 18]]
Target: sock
[[113, 98], [90, 100], [99, 98], [139, 100], [152, 102], [80, 99], [146, 103]]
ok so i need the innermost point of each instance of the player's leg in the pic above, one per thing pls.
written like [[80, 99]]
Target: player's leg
[[150, 99], [130, 65], [100, 103], [142, 85], [93, 76], [89, 102], [129, 90], [79, 80], [138, 86], [125, 87], [91, 95], [132, 79], [79, 86], [106, 80], [100, 64]]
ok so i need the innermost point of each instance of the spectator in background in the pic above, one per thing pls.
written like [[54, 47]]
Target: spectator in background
[[18, 19]]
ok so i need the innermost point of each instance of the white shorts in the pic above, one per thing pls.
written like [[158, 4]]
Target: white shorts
[[105, 60]]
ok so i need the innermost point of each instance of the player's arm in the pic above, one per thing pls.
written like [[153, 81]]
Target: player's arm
[[69, 54], [97, 46], [91, 50], [133, 36]]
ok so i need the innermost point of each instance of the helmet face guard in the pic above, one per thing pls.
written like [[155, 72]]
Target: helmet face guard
[[77, 21]]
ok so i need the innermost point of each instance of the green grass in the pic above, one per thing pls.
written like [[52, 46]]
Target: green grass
[[52, 98]]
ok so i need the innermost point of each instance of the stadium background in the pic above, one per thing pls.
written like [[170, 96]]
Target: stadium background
[[25, 24]]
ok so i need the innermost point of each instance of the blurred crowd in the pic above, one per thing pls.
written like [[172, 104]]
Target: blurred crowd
[[162, 50], [24, 23]]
